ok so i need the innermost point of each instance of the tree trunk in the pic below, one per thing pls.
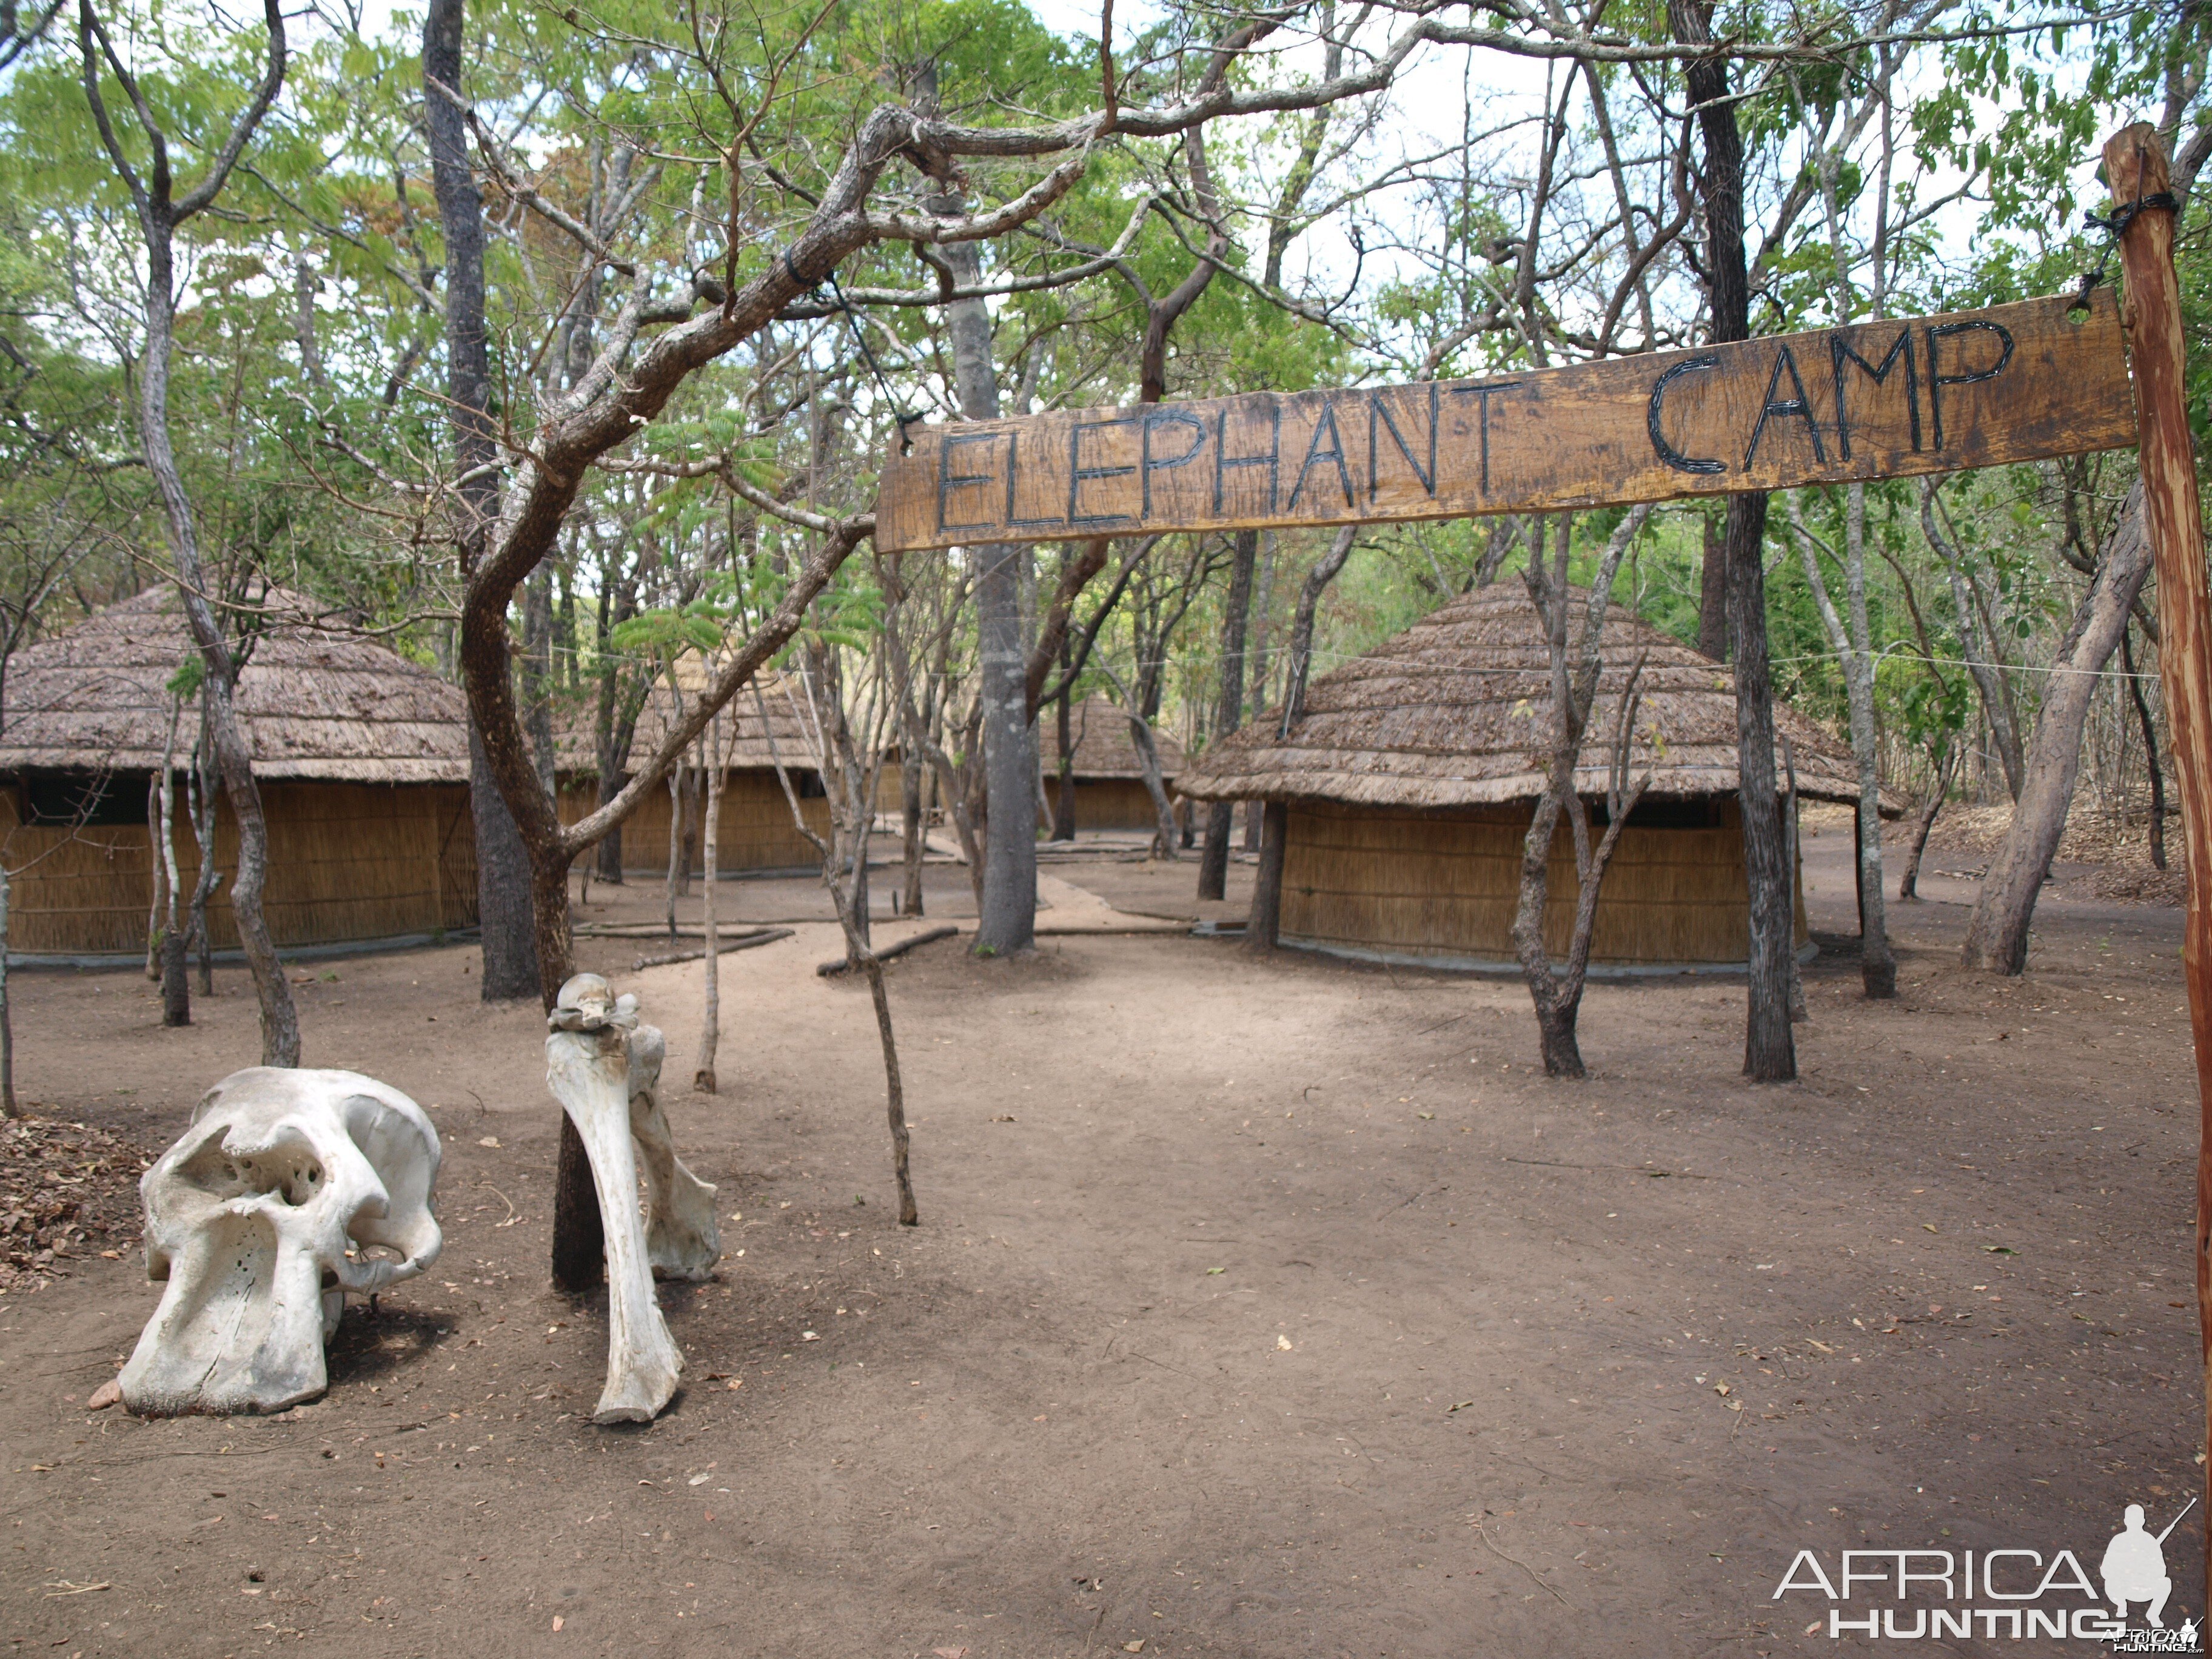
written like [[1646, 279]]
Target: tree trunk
[[1850, 637], [1007, 920], [2150, 751], [503, 917], [522, 904], [1263, 929], [915, 827], [510, 967], [1220, 819], [675, 848], [8, 1106], [176, 984], [609, 852], [1769, 1055], [280, 1020], [710, 1021], [7, 1024], [202, 782], [1063, 798], [1908, 886], [1996, 937], [1713, 590]]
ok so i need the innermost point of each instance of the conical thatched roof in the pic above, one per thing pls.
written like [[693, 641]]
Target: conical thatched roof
[[1453, 712], [746, 742], [1103, 748], [318, 700]]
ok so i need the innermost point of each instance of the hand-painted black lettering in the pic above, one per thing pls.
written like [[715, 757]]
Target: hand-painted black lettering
[[1154, 420], [1078, 474], [1315, 452], [1652, 420], [1272, 458], [1481, 393], [948, 480], [1937, 379], [1841, 351], [1800, 406], [1014, 520], [1379, 413]]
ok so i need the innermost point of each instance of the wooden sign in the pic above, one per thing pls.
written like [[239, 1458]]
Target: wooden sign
[[1879, 400]]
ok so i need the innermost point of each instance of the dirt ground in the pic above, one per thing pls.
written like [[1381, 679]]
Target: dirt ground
[[1259, 1309]]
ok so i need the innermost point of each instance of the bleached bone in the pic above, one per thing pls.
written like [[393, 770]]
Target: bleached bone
[[605, 1069], [262, 1216]]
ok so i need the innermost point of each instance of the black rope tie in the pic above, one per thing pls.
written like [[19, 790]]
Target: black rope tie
[[2114, 224], [838, 301]]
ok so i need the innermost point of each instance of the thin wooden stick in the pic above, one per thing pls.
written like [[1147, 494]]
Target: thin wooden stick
[[844, 965], [710, 1023], [2135, 168]]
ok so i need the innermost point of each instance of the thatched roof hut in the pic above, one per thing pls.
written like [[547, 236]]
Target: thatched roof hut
[[1110, 783], [1410, 778], [756, 832], [361, 757]]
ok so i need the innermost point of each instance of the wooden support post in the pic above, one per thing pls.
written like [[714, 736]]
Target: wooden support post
[[2135, 168]]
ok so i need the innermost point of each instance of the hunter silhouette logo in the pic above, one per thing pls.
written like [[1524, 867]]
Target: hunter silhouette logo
[[2134, 1568], [2010, 1593]]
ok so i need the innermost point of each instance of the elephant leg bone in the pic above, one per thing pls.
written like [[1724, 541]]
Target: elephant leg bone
[[682, 1239], [588, 1072]]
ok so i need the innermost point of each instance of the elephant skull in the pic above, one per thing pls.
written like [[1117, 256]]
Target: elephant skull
[[290, 1189]]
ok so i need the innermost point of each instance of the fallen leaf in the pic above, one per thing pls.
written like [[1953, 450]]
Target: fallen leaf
[[1722, 1389], [1132, 1647], [107, 1394], [737, 1383], [1216, 1270], [1283, 1343], [698, 1480], [1426, 1117], [1460, 1405], [491, 1142], [1999, 1249], [809, 1336], [558, 1622], [1927, 1226]]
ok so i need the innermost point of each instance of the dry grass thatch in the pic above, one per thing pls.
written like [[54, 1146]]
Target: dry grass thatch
[[317, 700], [1453, 713], [1103, 748], [576, 745]]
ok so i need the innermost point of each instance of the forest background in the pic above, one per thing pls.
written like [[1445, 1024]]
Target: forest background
[[727, 250]]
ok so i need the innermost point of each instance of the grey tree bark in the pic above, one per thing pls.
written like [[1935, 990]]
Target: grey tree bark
[[1007, 921], [1852, 641], [505, 920], [1770, 1051], [1574, 672], [1220, 816], [160, 211], [1996, 703], [1997, 936]]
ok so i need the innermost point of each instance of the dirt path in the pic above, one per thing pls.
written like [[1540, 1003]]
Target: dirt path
[[1259, 1309]]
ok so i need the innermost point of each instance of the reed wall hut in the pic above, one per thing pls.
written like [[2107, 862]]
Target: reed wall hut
[[757, 829], [361, 756], [1409, 783], [1109, 782]]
